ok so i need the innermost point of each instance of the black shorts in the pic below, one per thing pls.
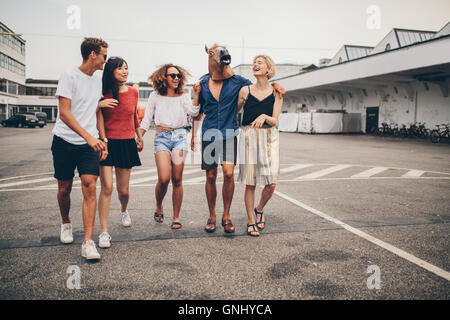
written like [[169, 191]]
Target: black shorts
[[67, 157], [215, 152]]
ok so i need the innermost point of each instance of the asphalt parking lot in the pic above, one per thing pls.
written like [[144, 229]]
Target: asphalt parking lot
[[353, 217]]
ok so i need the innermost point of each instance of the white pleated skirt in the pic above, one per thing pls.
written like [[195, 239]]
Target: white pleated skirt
[[259, 156]]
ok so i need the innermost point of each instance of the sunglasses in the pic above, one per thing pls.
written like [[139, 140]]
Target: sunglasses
[[175, 75]]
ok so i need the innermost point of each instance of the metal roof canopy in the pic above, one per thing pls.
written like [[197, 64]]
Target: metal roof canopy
[[425, 61]]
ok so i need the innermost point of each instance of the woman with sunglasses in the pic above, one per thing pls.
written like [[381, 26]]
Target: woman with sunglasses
[[170, 105], [120, 127]]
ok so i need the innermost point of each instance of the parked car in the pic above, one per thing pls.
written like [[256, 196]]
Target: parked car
[[42, 117], [22, 120]]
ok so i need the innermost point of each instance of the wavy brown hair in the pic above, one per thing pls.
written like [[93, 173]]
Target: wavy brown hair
[[159, 79]]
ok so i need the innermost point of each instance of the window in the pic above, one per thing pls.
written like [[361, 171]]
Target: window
[[22, 90], [40, 91], [388, 47], [340, 59], [12, 65], [12, 88], [3, 85], [144, 94], [12, 42]]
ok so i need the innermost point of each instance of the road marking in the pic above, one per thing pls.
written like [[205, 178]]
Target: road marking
[[324, 172], [295, 168], [185, 182], [195, 180], [413, 173], [315, 176], [27, 176], [136, 181], [18, 183], [369, 173], [403, 254]]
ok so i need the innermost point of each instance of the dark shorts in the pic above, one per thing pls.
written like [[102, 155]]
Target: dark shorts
[[122, 153], [216, 152], [67, 157]]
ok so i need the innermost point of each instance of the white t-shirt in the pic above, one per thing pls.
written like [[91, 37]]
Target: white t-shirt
[[169, 112], [85, 92]]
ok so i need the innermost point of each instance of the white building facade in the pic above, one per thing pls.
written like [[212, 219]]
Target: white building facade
[[406, 83]]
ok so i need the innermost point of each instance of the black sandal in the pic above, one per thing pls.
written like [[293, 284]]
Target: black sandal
[[159, 215], [176, 224], [260, 222], [255, 229]]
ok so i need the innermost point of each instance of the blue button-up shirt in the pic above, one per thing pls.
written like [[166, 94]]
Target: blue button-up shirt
[[220, 116]]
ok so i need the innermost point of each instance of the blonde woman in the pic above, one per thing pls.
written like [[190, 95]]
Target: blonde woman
[[259, 142]]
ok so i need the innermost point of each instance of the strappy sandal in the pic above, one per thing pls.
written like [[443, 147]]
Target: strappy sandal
[[255, 229], [210, 230], [260, 221], [176, 224], [159, 215]]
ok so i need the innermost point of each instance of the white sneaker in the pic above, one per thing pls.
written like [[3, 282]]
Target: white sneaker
[[66, 233], [89, 251], [126, 219], [104, 240]]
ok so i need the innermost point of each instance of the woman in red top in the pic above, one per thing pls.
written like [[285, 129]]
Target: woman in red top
[[121, 124]]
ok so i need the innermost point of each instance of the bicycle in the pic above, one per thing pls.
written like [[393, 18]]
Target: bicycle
[[441, 134]]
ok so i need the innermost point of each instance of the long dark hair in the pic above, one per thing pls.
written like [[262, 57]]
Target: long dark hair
[[109, 82]]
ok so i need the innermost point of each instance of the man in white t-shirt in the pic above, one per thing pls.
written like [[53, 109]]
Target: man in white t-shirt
[[76, 142]]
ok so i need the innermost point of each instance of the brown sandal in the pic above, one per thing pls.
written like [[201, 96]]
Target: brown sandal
[[210, 222], [228, 226]]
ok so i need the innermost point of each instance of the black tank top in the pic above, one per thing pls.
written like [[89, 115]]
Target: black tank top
[[253, 108]]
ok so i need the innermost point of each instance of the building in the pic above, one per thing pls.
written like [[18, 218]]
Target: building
[[403, 79], [12, 70]]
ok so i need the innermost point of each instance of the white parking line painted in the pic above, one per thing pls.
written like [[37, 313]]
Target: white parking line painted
[[369, 173], [195, 180], [136, 181], [324, 172], [295, 168], [19, 183], [27, 176], [413, 173], [399, 252], [77, 180], [136, 172], [54, 187]]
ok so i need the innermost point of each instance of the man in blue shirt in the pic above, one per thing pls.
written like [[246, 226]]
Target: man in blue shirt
[[218, 104]]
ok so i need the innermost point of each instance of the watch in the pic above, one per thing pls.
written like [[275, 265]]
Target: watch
[[105, 140]]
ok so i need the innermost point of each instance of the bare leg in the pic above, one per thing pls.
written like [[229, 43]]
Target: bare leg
[[227, 188], [211, 192], [266, 194], [123, 187], [249, 198], [64, 189], [88, 187], [104, 200], [163, 163], [177, 185]]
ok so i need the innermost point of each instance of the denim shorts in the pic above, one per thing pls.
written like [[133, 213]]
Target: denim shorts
[[170, 140]]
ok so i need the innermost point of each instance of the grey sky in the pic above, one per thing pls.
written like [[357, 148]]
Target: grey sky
[[150, 33]]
